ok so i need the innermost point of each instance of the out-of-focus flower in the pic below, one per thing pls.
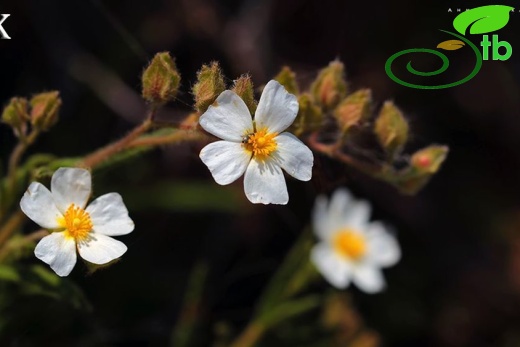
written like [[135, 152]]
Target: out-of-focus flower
[[257, 148], [351, 248], [75, 226]]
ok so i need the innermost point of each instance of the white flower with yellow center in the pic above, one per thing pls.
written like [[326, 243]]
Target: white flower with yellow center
[[64, 210], [351, 248], [258, 148]]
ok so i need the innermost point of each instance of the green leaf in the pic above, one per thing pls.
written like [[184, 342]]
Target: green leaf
[[484, 19]]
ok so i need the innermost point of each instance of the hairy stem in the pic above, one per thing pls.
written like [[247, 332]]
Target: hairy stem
[[14, 161], [177, 136], [106, 152], [335, 152]]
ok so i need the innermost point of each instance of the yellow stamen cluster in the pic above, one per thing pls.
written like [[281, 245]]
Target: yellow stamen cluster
[[76, 222], [261, 143], [350, 244]]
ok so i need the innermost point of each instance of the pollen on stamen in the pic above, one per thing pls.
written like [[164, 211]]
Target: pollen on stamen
[[77, 223], [349, 244], [260, 143]]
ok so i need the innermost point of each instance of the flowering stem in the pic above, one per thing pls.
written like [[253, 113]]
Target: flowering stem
[[14, 161], [189, 317], [176, 136], [104, 153], [278, 314], [335, 152]]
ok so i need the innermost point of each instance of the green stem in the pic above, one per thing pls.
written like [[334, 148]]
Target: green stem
[[255, 330]]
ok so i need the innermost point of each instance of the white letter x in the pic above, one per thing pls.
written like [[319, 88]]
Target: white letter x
[[2, 30]]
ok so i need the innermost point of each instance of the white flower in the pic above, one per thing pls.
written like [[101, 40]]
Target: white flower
[[64, 210], [257, 148], [350, 248]]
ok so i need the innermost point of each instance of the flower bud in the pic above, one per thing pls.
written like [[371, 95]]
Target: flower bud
[[423, 165], [330, 86], [45, 109], [429, 159], [15, 114], [353, 109], [287, 78], [309, 116], [244, 88], [160, 79], [391, 129], [208, 87]]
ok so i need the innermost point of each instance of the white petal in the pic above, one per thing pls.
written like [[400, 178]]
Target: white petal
[[347, 212], [294, 157], [383, 248], [368, 278], [230, 119], [276, 109], [100, 249], [58, 251], [357, 215], [71, 186], [340, 203], [38, 205], [226, 160], [320, 218], [109, 215], [264, 183], [335, 270]]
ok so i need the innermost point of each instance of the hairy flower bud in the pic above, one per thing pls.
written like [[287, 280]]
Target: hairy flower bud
[[45, 109], [309, 116], [287, 78], [160, 79], [391, 129], [15, 114], [423, 165], [353, 109], [210, 83], [330, 86], [429, 159], [244, 88]]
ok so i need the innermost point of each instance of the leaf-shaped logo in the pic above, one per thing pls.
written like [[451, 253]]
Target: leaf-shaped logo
[[451, 45], [484, 19]]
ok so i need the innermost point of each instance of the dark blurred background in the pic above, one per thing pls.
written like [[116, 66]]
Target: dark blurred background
[[458, 283]]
